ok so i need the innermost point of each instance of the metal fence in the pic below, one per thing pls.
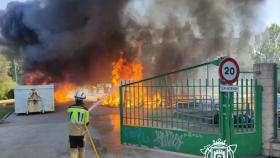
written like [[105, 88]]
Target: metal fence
[[244, 106], [278, 112], [171, 103], [191, 105], [182, 111]]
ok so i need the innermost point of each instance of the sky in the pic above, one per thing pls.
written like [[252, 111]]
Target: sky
[[269, 12], [3, 3]]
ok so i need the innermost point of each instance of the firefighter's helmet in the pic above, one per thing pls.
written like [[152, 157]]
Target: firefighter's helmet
[[80, 95]]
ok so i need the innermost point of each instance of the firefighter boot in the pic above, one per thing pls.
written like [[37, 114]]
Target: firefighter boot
[[82, 152], [74, 153]]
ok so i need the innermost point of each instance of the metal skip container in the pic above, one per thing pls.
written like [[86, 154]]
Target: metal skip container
[[34, 98]]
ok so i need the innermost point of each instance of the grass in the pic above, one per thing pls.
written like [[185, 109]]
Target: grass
[[4, 111]]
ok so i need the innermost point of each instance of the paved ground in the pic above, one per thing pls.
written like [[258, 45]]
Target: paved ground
[[36, 135], [106, 124], [45, 136]]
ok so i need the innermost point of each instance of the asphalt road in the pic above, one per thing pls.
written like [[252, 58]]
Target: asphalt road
[[45, 136]]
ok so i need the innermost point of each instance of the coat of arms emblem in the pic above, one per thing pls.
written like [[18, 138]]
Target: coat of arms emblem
[[219, 149]]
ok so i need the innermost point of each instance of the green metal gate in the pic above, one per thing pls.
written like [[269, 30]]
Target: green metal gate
[[179, 111]]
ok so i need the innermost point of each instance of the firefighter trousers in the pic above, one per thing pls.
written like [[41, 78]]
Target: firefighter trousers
[[78, 152]]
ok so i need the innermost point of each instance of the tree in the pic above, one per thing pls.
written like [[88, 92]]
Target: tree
[[6, 82], [16, 70], [266, 47]]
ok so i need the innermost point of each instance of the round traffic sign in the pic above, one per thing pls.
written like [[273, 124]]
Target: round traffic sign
[[229, 70]]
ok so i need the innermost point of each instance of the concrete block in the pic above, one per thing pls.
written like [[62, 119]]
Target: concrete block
[[271, 148], [267, 82], [266, 152], [275, 153], [275, 149], [267, 124], [263, 67], [267, 113], [276, 146], [266, 121], [264, 75], [268, 89], [267, 102], [267, 135]]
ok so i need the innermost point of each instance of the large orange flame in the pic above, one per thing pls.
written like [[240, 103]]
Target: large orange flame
[[123, 70], [129, 71], [65, 92]]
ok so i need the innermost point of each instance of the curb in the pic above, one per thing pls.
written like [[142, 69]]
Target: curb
[[5, 117]]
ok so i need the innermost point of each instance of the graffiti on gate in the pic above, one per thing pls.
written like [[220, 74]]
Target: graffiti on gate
[[193, 134], [137, 135], [169, 139]]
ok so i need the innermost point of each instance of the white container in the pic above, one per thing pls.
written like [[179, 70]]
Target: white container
[[34, 98]]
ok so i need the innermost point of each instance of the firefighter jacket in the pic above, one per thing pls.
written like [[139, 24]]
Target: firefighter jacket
[[78, 116]]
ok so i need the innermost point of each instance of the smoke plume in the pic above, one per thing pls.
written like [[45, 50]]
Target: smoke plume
[[186, 32], [66, 39], [78, 40]]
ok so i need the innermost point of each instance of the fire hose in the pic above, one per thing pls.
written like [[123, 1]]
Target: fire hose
[[86, 128], [101, 99], [91, 141]]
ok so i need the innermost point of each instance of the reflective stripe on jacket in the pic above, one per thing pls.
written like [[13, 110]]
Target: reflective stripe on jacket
[[78, 116]]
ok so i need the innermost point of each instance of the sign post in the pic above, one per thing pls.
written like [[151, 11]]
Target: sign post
[[228, 73]]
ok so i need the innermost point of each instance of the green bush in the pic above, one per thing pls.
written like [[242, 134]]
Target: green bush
[[10, 94], [6, 82], [4, 111]]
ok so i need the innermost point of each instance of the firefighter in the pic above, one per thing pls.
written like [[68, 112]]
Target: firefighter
[[78, 116]]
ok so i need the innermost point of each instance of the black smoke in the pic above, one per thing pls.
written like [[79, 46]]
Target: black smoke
[[14, 28], [78, 40], [67, 39], [186, 32]]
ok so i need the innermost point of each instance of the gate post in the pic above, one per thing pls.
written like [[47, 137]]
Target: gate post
[[266, 79], [226, 104]]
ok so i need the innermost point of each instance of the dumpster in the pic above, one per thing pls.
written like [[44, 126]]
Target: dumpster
[[34, 98]]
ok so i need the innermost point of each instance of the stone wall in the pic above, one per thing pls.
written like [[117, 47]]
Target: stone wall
[[266, 79]]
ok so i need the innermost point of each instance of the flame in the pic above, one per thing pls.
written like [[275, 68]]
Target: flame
[[130, 71], [123, 70], [29, 78], [141, 98], [36, 78], [64, 93]]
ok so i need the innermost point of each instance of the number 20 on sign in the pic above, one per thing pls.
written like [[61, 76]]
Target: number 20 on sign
[[229, 70]]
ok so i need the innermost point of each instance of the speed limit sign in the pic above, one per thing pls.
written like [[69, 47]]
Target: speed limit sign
[[229, 70]]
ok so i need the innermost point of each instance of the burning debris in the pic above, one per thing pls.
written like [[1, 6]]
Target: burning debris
[[123, 70], [64, 93], [78, 43]]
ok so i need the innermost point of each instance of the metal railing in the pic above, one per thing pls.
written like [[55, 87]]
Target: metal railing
[[278, 111], [171, 103], [244, 106], [184, 105]]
